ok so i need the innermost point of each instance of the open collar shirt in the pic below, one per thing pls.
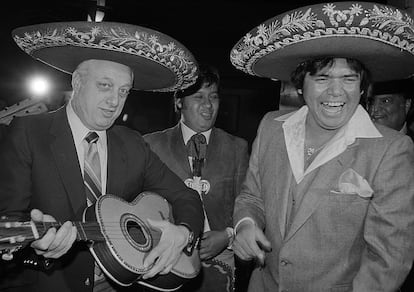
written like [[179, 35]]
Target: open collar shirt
[[359, 126]]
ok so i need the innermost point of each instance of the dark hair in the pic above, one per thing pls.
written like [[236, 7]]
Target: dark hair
[[313, 66], [207, 75]]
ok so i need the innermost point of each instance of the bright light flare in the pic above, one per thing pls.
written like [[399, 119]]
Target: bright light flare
[[39, 86]]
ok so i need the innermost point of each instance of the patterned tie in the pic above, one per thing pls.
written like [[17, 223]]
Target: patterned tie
[[93, 189], [197, 148], [92, 169]]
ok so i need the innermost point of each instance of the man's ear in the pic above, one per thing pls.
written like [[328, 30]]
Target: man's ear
[[177, 104], [76, 82]]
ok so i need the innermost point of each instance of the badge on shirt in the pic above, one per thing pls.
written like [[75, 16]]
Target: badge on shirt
[[202, 186]]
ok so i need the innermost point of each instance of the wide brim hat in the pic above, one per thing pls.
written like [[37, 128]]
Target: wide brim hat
[[404, 86], [380, 36], [159, 62]]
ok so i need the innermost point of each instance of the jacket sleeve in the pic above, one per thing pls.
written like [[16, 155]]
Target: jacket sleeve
[[250, 203], [389, 224]]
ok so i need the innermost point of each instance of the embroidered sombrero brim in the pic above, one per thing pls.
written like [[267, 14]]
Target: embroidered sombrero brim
[[378, 35], [159, 62]]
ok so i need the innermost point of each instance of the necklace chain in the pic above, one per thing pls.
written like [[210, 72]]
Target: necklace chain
[[311, 150]]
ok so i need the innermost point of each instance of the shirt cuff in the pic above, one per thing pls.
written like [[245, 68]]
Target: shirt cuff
[[242, 220]]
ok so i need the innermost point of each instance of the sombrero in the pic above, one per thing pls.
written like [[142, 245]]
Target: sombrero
[[160, 63], [378, 35], [403, 86]]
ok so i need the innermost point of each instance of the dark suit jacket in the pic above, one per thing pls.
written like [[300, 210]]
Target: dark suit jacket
[[40, 169], [225, 168], [3, 131]]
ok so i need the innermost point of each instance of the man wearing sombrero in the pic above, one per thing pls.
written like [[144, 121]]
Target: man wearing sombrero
[[57, 164], [328, 199]]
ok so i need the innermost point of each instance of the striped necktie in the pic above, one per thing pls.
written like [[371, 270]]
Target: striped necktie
[[92, 169], [93, 189]]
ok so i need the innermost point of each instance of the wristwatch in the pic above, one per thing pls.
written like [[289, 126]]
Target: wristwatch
[[230, 237], [191, 241]]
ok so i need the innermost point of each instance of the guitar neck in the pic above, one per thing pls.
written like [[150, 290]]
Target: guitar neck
[[25, 232], [89, 231]]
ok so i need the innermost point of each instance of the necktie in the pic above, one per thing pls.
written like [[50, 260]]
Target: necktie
[[93, 189], [197, 147], [92, 169]]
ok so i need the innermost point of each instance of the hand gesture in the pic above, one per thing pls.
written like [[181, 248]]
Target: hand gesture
[[212, 243], [250, 242], [165, 255]]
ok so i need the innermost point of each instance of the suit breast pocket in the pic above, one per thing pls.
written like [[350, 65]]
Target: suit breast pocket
[[336, 196], [344, 213]]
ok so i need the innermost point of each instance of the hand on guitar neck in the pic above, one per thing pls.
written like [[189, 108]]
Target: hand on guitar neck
[[56, 241], [47, 237], [131, 242]]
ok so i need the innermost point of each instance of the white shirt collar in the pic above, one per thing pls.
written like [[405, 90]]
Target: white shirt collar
[[79, 130], [188, 133], [359, 126]]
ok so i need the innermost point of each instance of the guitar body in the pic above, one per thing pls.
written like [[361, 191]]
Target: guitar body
[[128, 239]]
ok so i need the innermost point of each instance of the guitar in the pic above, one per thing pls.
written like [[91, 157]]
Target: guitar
[[119, 239], [23, 108]]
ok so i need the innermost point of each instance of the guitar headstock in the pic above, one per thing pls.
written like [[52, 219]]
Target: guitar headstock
[[14, 235]]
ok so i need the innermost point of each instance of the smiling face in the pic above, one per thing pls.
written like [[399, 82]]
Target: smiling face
[[332, 95], [100, 91], [389, 110], [199, 110]]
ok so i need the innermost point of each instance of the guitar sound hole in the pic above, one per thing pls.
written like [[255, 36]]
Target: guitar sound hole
[[135, 231]]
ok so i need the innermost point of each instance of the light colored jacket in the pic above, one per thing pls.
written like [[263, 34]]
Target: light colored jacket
[[337, 241]]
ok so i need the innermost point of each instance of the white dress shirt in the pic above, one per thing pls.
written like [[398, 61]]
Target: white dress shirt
[[79, 132]]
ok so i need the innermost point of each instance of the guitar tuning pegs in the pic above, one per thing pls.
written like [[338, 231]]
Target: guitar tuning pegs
[[39, 262]]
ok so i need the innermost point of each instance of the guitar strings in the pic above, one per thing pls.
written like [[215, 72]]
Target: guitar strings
[[90, 229]]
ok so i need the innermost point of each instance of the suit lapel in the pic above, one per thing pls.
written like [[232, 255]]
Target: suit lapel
[[179, 151], [279, 178], [213, 150], [117, 165], [64, 153], [285, 179], [326, 175]]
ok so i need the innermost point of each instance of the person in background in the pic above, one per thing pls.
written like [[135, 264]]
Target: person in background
[[56, 164], [328, 200], [214, 163], [389, 104]]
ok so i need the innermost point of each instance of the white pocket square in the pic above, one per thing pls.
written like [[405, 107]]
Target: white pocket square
[[351, 182]]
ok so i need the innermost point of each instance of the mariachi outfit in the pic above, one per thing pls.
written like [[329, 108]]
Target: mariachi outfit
[[41, 158], [343, 220], [217, 180]]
